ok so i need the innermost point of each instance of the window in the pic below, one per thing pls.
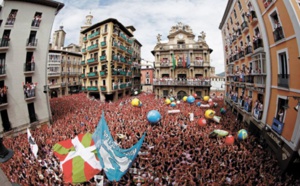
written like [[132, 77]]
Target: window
[[239, 5], [234, 13], [2, 63], [36, 19], [231, 20], [147, 81], [281, 102], [12, 17], [165, 93], [5, 121], [105, 28], [283, 71], [5, 39], [31, 112], [32, 41], [277, 28]]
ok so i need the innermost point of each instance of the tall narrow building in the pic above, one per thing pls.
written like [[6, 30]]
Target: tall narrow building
[[182, 65], [261, 46], [107, 60], [25, 29]]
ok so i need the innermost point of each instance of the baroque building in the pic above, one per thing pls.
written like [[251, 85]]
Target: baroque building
[[110, 54], [261, 42], [182, 65], [25, 29]]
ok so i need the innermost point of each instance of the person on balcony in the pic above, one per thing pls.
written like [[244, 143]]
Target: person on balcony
[[280, 115]]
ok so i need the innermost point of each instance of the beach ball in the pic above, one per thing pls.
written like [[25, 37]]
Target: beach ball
[[195, 95], [167, 101], [172, 99], [184, 98], [135, 102], [223, 110], [153, 116], [136, 92], [242, 134], [202, 122], [198, 104], [178, 102], [229, 140], [209, 114], [206, 98], [209, 100], [190, 99], [173, 104]]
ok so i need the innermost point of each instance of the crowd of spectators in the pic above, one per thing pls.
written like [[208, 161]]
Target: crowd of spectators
[[176, 151]]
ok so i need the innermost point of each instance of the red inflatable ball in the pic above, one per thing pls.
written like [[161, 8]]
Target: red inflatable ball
[[202, 122], [229, 140], [195, 95]]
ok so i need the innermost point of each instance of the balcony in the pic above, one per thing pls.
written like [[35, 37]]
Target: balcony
[[83, 89], [122, 59], [115, 87], [123, 36], [247, 106], [129, 41], [29, 91], [82, 76], [278, 34], [54, 85], [92, 88], [122, 85], [244, 26], [283, 80], [129, 51], [63, 84], [114, 72], [241, 54], [123, 48], [10, 21], [29, 67], [92, 60], [253, 17], [202, 83], [248, 50], [92, 47], [257, 114], [129, 73], [84, 39], [82, 63], [4, 44], [31, 44], [83, 50], [235, 57], [258, 43], [102, 73], [94, 35], [92, 74], [103, 58], [2, 71], [103, 44], [103, 88], [53, 74]]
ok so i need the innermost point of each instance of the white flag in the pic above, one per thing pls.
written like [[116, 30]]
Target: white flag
[[33, 146]]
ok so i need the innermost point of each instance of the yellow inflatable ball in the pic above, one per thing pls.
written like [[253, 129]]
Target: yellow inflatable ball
[[184, 98], [167, 101], [135, 102], [206, 98], [209, 114]]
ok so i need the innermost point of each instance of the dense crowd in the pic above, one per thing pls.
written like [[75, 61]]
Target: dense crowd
[[176, 151]]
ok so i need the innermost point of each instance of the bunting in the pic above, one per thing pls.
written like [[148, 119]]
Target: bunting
[[174, 61]]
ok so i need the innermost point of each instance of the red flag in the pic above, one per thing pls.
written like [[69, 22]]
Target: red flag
[[183, 61]]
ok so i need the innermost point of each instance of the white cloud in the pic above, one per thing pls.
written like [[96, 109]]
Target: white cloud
[[149, 17]]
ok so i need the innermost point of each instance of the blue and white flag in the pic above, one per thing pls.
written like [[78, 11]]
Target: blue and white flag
[[114, 160]]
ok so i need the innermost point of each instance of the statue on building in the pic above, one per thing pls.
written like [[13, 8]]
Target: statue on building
[[203, 35], [158, 38]]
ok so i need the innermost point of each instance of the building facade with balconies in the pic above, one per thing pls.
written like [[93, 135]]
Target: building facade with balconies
[[26, 28], [262, 59], [182, 65], [107, 60]]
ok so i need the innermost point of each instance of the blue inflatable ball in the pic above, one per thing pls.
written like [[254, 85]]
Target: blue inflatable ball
[[242, 134], [223, 111], [198, 104], [190, 99], [153, 116], [172, 99], [173, 104]]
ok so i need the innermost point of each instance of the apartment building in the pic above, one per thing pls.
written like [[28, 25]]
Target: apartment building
[[182, 65], [25, 28], [261, 48], [63, 66], [107, 59]]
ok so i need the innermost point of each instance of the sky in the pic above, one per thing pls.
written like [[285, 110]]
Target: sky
[[150, 18]]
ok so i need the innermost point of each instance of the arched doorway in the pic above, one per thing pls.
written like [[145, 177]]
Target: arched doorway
[[181, 94], [54, 94]]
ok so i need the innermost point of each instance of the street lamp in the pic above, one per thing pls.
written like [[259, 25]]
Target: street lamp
[[286, 106]]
